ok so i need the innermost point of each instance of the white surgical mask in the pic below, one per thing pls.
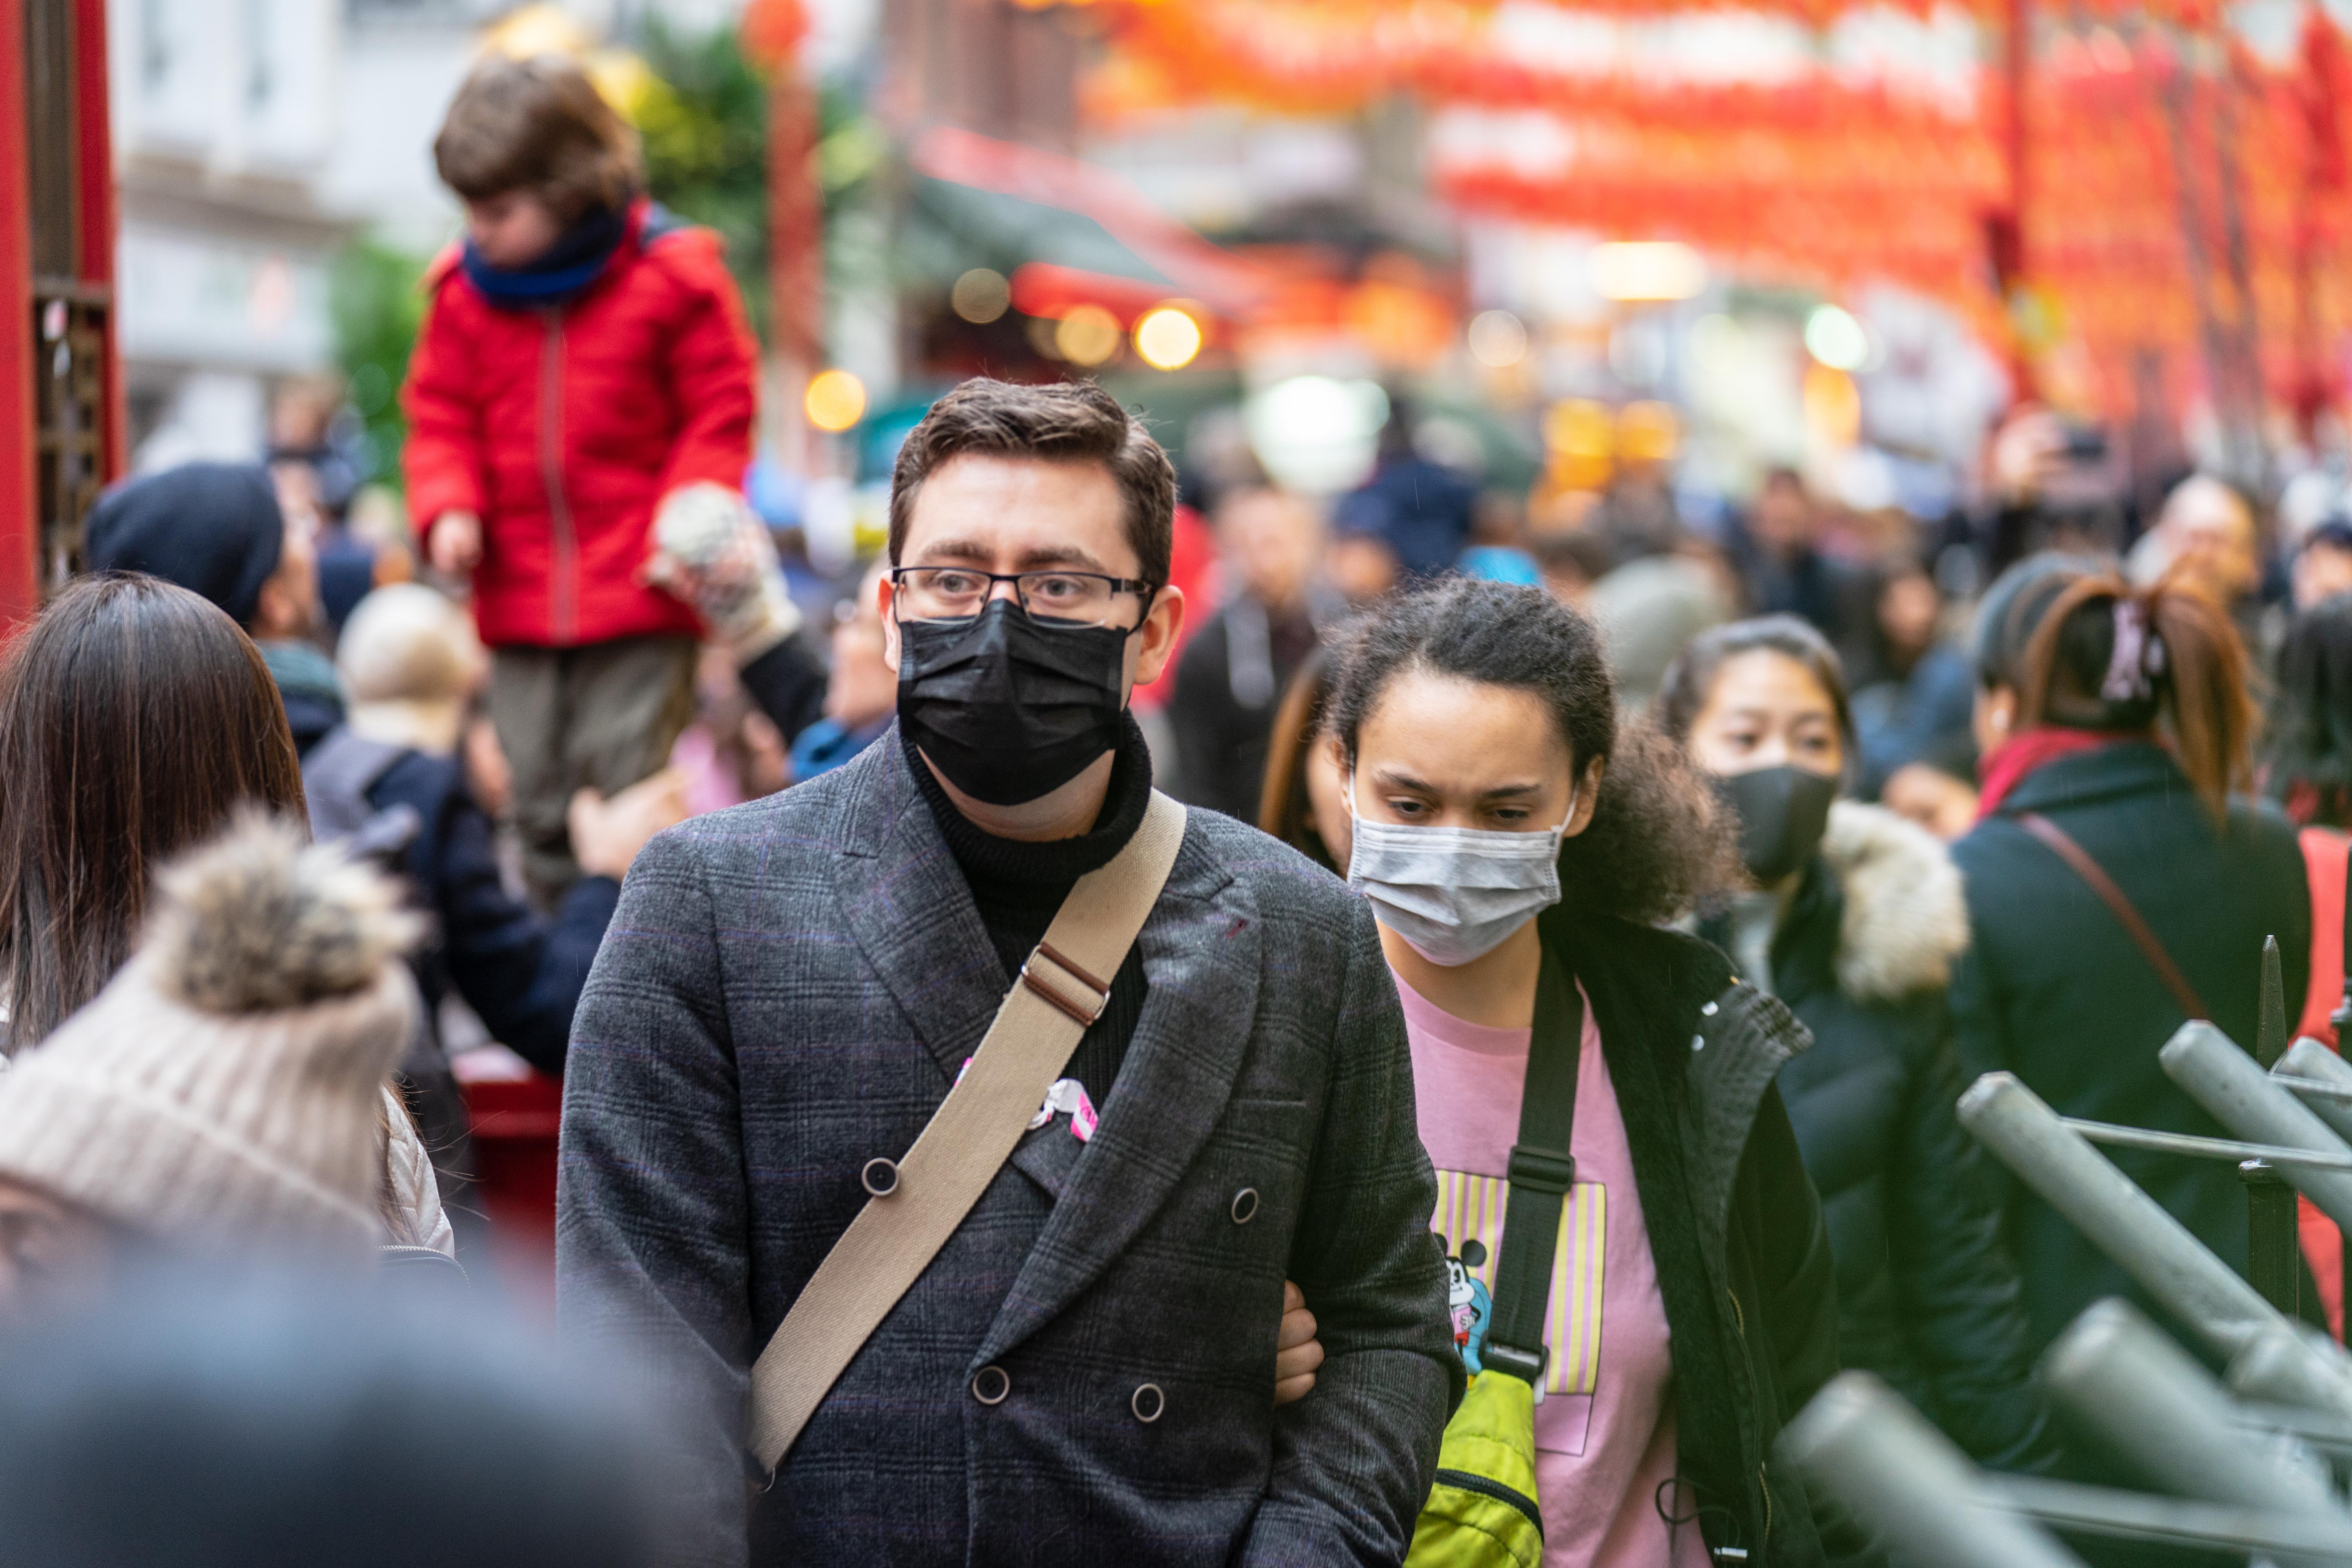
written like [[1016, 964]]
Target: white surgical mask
[[1455, 894]]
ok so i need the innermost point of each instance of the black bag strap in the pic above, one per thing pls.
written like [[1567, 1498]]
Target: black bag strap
[[2061, 844], [1543, 1170]]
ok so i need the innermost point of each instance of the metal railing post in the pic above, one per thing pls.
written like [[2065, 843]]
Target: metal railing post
[[1905, 1480], [2125, 1378], [2110, 1208], [2273, 1258]]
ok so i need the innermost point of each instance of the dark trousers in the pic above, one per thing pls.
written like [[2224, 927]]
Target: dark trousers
[[600, 717]]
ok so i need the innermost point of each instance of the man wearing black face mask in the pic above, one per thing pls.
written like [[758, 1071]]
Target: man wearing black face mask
[[1085, 1365]]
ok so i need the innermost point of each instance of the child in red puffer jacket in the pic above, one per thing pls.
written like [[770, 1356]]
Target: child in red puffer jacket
[[584, 369]]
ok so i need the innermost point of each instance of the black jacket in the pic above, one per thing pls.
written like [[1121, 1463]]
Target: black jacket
[[2053, 990], [520, 972], [788, 684], [1742, 1255], [1229, 684], [1929, 1296]]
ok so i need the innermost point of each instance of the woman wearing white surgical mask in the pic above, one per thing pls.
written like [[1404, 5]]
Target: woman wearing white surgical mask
[[1520, 848]]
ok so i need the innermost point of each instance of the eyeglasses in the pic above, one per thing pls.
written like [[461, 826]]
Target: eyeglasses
[[1067, 598]]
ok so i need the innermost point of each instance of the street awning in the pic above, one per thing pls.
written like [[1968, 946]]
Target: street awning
[[1070, 233]]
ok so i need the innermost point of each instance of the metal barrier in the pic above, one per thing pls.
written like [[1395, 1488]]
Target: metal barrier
[[1907, 1481], [2254, 1459]]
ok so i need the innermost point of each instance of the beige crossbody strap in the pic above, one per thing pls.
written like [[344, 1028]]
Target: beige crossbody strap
[[920, 1201]]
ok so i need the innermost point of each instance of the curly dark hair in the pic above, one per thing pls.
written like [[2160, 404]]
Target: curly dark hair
[[1656, 845]]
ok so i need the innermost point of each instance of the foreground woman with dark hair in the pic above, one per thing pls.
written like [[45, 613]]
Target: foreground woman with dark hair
[[137, 721], [1517, 847], [134, 720], [1853, 921], [2115, 886]]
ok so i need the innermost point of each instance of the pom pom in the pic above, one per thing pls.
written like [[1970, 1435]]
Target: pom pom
[[259, 920]]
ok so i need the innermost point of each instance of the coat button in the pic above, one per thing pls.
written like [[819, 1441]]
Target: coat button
[[990, 1383], [1698, 1042], [1244, 1205], [1148, 1403], [881, 1177], [1708, 1011]]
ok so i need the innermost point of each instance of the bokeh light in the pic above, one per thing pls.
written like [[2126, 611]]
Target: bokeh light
[[1648, 432], [1836, 339], [836, 400], [1832, 406], [1632, 271], [1580, 438], [1167, 338], [1497, 339], [980, 295], [1089, 335], [1315, 434]]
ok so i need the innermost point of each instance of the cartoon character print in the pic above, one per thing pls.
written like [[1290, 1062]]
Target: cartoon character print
[[1467, 1300]]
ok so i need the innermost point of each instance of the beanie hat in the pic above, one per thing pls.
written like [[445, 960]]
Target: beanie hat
[[212, 528], [222, 1093], [408, 659]]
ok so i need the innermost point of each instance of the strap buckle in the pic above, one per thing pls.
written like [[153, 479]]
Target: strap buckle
[[1527, 1366], [1078, 1013], [1539, 1170]]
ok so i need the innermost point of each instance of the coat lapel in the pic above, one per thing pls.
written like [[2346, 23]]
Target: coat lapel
[[912, 911], [1201, 955]]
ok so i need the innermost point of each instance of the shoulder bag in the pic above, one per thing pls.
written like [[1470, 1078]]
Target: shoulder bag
[[915, 1204], [1482, 1512]]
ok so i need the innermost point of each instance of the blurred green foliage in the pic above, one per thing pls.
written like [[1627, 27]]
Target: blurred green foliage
[[376, 307], [704, 119]]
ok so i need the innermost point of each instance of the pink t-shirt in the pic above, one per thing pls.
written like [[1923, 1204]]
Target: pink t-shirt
[[1605, 1425]]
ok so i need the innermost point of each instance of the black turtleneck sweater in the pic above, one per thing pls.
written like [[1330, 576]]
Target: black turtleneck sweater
[[1018, 886]]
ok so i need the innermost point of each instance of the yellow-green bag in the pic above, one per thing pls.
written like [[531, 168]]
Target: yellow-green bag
[[1482, 1512]]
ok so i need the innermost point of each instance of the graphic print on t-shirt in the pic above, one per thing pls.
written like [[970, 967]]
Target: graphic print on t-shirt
[[1470, 1213]]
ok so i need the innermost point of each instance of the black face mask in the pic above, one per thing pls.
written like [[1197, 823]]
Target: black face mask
[[1783, 813], [1006, 709]]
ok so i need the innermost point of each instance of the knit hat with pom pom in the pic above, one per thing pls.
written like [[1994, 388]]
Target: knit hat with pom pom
[[222, 1093]]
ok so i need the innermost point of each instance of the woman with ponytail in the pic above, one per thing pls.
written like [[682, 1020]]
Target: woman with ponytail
[[2116, 884]]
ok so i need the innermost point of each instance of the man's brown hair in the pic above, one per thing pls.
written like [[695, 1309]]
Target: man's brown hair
[[538, 125], [1075, 422]]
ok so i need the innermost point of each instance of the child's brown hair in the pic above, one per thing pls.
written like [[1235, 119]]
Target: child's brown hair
[[538, 125]]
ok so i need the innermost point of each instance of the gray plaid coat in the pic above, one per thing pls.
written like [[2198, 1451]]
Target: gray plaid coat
[[788, 990]]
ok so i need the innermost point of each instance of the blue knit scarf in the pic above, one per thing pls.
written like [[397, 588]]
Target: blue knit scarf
[[561, 273]]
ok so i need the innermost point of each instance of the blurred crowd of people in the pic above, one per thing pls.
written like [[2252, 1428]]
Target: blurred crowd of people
[[1770, 831]]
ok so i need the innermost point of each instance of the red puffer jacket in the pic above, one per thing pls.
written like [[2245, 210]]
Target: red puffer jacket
[[562, 430]]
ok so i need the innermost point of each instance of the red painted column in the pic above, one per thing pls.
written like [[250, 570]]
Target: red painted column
[[19, 525], [95, 137]]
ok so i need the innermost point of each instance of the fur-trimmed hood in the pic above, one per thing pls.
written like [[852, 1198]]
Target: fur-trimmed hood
[[1905, 916]]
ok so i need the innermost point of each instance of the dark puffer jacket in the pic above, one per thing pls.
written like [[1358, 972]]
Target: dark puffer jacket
[[1929, 1296]]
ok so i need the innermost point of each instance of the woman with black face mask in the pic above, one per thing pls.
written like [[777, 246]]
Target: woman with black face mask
[[1853, 918], [1629, 1222]]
